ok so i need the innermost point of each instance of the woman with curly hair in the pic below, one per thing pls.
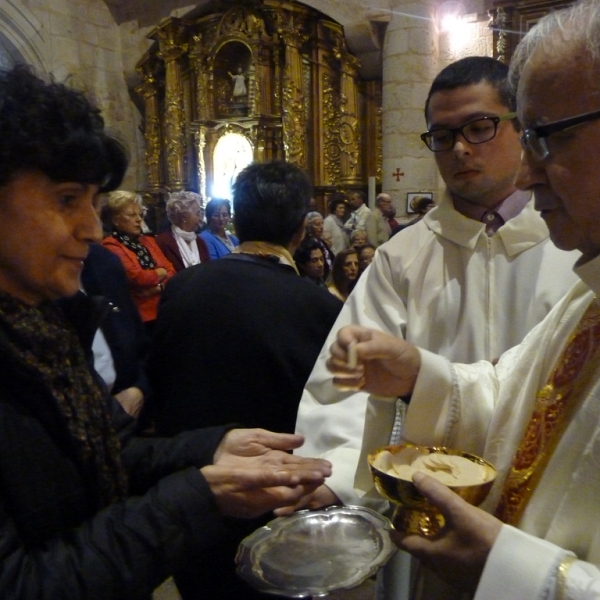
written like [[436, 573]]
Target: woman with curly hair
[[88, 511], [180, 243]]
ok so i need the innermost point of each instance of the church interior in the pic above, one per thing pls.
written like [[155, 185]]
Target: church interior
[[335, 86], [197, 91]]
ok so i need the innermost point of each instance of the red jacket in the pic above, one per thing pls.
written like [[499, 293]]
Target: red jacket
[[142, 281]]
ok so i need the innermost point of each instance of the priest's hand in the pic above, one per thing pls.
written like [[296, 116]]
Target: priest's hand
[[459, 552], [373, 361]]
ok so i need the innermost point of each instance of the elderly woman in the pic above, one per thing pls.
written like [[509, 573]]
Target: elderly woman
[[358, 238], [344, 274], [180, 243], [88, 511], [146, 266], [314, 231], [219, 241]]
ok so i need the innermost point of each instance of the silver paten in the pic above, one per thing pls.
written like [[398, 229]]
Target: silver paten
[[312, 553]]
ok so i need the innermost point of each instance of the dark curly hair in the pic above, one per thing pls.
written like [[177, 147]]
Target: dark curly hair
[[51, 128]]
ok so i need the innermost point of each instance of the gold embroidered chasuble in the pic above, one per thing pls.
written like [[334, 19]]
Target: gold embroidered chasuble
[[555, 405]]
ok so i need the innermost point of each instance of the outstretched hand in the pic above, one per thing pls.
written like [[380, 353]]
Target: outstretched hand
[[250, 492], [385, 365], [319, 498], [255, 442], [254, 473], [459, 552]]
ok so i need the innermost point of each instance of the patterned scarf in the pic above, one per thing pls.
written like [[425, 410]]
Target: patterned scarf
[[41, 339], [140, 251]]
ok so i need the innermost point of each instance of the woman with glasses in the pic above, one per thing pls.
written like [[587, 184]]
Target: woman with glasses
[[146, 266], [219, 241], [181, 244]]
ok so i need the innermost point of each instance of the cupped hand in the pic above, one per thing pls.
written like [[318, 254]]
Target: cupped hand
[[385, 365], [248, 448], [459, 552], [250, 492], [319, 498]]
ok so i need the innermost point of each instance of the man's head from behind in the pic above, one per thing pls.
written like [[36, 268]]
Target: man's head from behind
[[474, 140], [270, 202]]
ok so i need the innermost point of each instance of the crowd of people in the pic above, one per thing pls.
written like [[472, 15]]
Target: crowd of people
[[133, 364]]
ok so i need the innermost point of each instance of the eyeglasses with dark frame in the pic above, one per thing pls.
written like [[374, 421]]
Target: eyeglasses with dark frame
[[477, 131], [534, 138]]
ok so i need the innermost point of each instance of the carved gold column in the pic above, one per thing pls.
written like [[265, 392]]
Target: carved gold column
[[293, 117], [148, 89], [203, 110], [350, 167], [170, 34], [200, 141], [371, 130]]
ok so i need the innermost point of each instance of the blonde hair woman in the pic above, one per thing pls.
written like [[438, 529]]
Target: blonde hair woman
[[146, 266]]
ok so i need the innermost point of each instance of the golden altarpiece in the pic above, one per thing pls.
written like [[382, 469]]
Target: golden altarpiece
[[262, 80]]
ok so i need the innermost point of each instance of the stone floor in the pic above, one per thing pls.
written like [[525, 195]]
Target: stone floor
[[366, 591]]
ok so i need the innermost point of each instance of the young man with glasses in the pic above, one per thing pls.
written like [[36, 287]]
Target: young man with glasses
[[535, 414], [468, 281]]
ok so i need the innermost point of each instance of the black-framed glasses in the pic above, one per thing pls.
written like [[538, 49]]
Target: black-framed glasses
[[477, 131], [534, 138]]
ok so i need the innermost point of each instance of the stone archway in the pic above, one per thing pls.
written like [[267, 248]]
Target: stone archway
[[21, 37]]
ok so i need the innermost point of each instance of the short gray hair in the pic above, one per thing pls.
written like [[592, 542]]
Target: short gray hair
[[578, 27], [182, 203]]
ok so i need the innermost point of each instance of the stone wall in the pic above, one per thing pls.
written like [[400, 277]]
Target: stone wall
[[415, 50], [78, 42]]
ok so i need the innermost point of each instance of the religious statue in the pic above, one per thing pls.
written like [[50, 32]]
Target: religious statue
[[239, 90]]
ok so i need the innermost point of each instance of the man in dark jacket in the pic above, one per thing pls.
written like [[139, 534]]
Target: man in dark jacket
[[237, 338]]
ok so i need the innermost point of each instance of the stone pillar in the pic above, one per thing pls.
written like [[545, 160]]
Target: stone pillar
[[170, 34], [409, 66]]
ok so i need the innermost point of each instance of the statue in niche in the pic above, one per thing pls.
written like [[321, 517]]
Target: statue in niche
[[239, 91]]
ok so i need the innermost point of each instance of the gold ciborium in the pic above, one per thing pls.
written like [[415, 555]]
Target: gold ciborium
[[412, 512]]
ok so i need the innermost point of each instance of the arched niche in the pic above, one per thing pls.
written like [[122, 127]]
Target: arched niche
[[233, 151], [232, 67], [305, 99]]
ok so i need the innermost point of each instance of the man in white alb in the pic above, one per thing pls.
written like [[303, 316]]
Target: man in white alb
[[468, 281]]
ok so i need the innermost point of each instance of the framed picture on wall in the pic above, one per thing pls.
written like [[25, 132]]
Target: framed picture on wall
[[413, 198]]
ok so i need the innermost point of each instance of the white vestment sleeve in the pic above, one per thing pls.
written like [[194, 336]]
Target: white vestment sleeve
[[523, 567]]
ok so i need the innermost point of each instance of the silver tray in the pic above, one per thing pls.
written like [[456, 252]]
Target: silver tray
[[312, 553]]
